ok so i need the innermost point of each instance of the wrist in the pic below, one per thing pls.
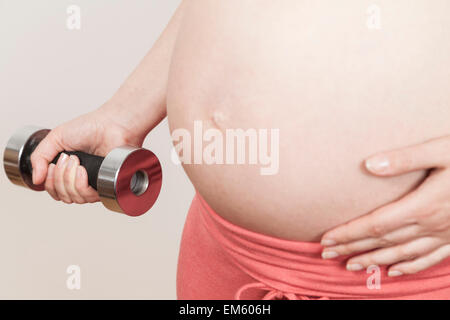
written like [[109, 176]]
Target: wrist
[[136, 109]]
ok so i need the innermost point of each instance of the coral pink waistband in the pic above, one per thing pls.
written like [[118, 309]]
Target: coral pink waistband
[[295, 270]]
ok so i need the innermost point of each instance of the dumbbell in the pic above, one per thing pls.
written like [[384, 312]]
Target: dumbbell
[[128, 180]]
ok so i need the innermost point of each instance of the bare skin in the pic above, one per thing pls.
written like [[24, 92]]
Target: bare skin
[[411, 234], [337, 91], [317, 73], [113, 124]]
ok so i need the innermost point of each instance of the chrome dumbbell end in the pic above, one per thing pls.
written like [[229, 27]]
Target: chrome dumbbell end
[[17, 153], [128, 179]]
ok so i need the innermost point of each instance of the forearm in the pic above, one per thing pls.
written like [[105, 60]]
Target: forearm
[[140, 103]]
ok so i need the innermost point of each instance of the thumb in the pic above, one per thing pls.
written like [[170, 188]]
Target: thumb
[[44, 153], [431, 154]]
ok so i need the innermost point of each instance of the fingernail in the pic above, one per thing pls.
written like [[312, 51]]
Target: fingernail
[[71, 162], [354, 267], [377, 164], [62, 158], [329, 254], [394, 273], [327, 242]]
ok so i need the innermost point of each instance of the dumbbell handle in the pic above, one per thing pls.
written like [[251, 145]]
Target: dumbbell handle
[[90, 162]]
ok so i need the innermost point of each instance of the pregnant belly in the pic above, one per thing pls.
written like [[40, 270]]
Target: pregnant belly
[[334, 90]]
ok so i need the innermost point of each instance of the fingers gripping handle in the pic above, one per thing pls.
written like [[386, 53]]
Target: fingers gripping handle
[[90, 162]]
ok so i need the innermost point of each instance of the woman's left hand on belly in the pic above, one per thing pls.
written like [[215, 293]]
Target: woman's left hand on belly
[[411, 234]]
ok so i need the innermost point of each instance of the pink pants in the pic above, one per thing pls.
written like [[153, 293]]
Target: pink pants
[[219, 260]]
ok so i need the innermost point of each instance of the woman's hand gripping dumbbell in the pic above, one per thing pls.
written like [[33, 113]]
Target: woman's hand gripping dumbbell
[[126, 118], [127, 180]]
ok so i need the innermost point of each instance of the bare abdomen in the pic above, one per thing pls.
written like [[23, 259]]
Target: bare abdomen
[[337, 91]]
